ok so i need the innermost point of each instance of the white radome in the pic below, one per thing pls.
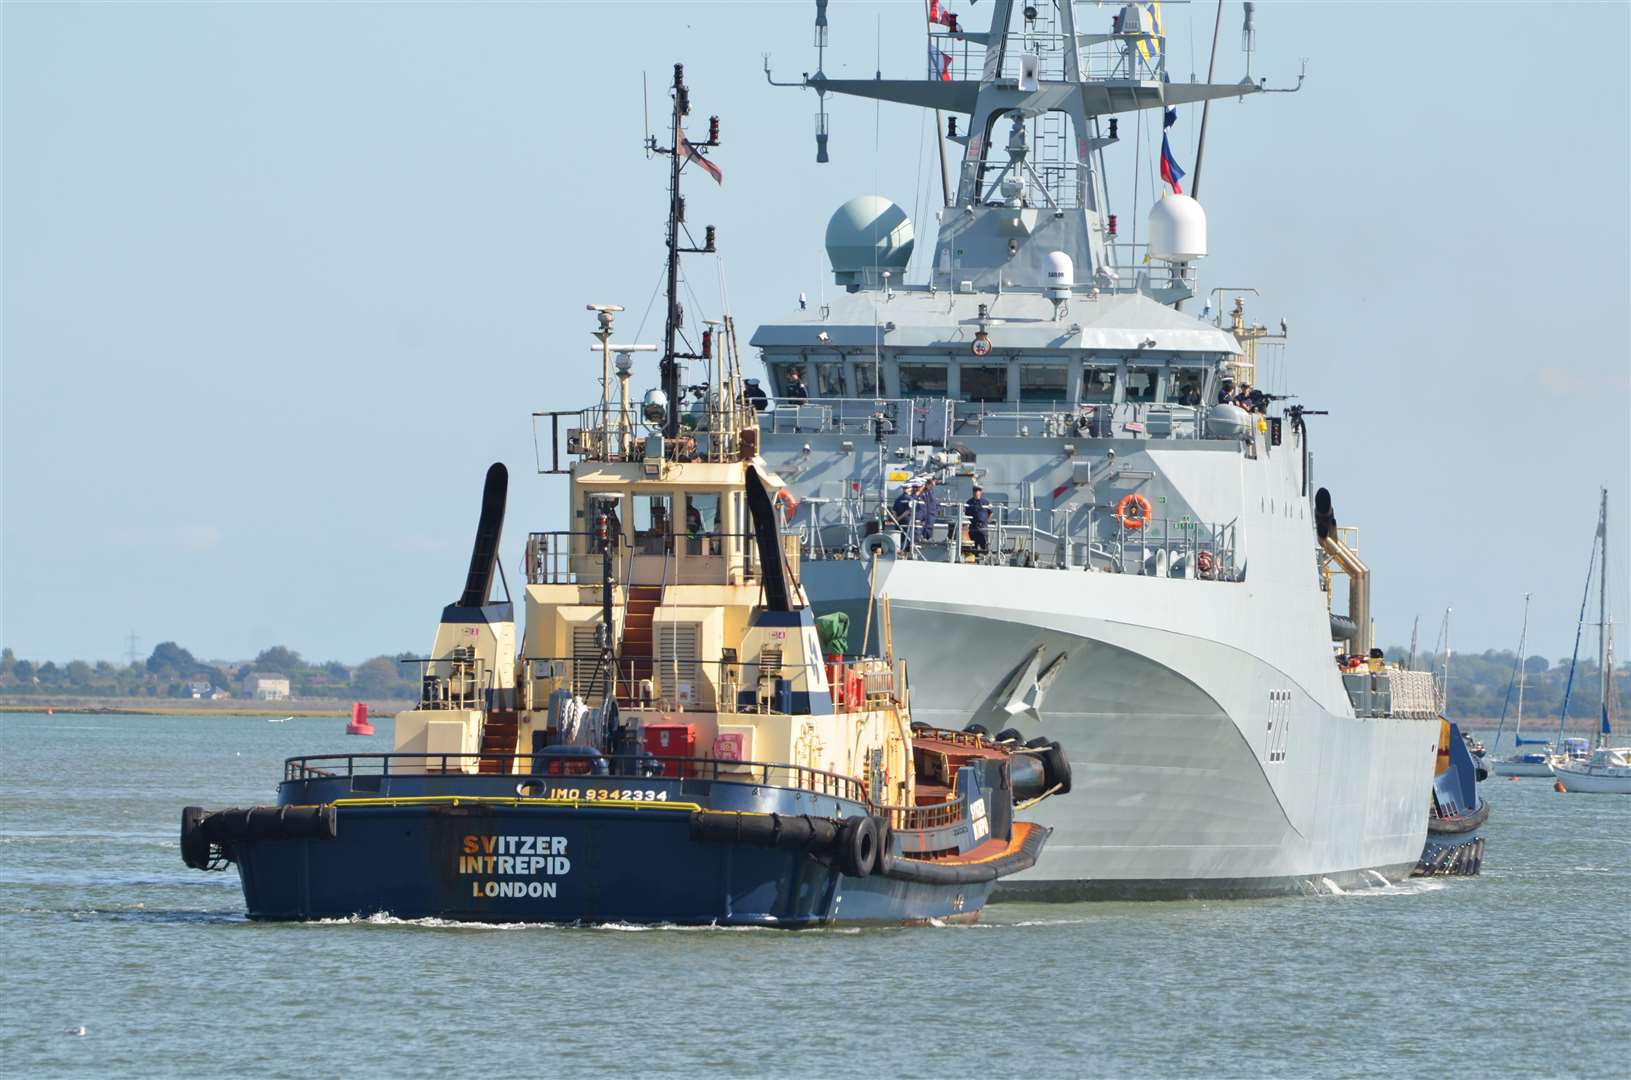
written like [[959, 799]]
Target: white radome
[[869, 232], [1177, 229], [1061, 274]]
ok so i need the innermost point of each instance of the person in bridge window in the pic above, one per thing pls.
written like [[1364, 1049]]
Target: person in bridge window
[[978, 512], [755, 395], [796, 390], [1226, 393], [1192, 396]]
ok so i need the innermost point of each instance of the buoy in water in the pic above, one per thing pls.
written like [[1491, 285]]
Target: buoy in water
[[1557, 785], [359, 724], [1512, 778], [50, 711]]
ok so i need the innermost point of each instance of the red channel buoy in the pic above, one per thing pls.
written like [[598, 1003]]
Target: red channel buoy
[[359, 724], [1558, 786]]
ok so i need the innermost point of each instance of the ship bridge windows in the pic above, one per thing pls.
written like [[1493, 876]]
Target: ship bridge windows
[[1143, 383], [983, 382], [1188, 386], [653, 515], [703, 523], [828, 381], [1042, 382], [781, 380], [1098, 383], [922, 380], [865, 378]]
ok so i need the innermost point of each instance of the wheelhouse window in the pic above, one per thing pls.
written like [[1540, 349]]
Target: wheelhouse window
[[866, 379], [593, 503], [702, 523], [1042, 382], [779, 377], [984, 382], [653, 517], [923, 380], [1188, 384], [1098, 383], [1142, 383], [829, 380]]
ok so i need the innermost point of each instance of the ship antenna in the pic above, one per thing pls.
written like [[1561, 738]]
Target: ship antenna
[[1206, 106], [679, 151]]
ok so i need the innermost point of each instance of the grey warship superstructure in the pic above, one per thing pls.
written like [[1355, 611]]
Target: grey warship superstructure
[[1148, 573]]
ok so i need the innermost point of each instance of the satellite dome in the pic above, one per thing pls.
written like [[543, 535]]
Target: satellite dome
[[1177, 229], [867, 236], [1061, 274]]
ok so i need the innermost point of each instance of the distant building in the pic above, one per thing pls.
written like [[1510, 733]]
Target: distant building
[[263, 687]]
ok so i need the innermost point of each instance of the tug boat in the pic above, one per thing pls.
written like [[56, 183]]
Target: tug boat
[[676, 741], [1457, 811]]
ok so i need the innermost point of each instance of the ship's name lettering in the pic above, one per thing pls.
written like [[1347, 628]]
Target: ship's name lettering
[[506, 856]]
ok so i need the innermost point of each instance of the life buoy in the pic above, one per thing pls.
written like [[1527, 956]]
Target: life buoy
[[1132, 501], [789, 504]]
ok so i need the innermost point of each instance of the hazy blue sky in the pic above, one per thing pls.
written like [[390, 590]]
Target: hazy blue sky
[[281, 280]]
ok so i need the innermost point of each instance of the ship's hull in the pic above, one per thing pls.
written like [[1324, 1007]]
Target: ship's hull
[[1206, 763], [1520, 768], [543, 864], [1594, 781]]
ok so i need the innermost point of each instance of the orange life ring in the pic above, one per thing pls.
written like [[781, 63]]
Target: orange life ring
[[1133, 521], [790, 505]]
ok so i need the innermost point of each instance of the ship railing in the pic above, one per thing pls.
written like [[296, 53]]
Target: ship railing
[[459, 681], [1064, 538], [672, 677], [942, 420], [533, 773], [711, 431], [843, 416], [688, 558]]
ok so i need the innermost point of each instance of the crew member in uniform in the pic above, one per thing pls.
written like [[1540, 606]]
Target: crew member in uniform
[[796, 390], [755, 395], [978, 512]]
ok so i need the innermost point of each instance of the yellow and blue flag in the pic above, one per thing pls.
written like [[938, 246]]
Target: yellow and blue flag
[[1150, 48]]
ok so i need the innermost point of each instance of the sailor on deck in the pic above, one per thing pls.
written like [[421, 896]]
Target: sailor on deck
[[978, 511]]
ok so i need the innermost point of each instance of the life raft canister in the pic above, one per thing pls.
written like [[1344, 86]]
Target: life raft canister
[[789, 504], [1141, 511]]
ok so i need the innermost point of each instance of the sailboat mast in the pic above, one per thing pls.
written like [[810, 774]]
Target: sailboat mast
[[1523, 638], [1602, 617]]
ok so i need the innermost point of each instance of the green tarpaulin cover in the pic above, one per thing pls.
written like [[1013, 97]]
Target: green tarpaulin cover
[[833, 630]]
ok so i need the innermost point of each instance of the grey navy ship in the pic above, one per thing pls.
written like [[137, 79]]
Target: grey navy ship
[[1159, 581]]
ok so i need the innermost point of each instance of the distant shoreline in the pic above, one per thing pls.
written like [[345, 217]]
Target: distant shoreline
[[191, 707]]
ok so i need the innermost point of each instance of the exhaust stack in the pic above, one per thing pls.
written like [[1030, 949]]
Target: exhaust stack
[[1325, 523]]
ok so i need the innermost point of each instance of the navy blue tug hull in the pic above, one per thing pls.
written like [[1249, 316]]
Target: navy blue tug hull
[[508, 848], [521, 863]]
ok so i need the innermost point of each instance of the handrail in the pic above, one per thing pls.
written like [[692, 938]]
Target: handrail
[[642, 766]]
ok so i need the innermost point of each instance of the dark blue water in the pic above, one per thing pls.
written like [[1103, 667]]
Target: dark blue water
[[1521, 972]]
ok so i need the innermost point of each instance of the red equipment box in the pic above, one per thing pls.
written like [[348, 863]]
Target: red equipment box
[[671, 741]]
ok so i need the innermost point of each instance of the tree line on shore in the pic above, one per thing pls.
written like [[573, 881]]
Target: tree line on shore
[[1483, 685], [173, 672]]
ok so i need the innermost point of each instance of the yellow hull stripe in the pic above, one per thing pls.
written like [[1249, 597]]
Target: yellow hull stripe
[[514, 800]]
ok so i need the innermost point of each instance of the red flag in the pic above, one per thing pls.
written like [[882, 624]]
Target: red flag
[[691, 153]]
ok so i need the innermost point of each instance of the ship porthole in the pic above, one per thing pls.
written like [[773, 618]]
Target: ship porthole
[[530, 789]]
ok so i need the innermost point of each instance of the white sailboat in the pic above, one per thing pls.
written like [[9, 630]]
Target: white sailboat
[[1520, 762], [1608, 769]]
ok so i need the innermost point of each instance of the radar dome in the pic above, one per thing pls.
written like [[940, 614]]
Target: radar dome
[[1061, 275], [867, 236], [1177, 229]]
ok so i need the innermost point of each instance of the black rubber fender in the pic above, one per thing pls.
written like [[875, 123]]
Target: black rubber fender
[[195, 846], [1057, 767], [858, 846], [1037, 743], [1010, 735], [978, 729], [886, 839]]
